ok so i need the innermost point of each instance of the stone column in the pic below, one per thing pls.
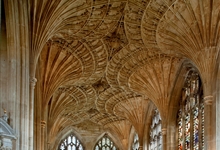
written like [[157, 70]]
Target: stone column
[[171, 137], [43, 125], [17, 88], [208, 122], [164, 134], [31, 112]]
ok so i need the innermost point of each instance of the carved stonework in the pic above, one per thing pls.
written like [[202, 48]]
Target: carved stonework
[[101, 85], [33, 82], [43, 124], [99, 60], [116, 40], [7, 135], [5, 116], [208, 100], [164, 131]]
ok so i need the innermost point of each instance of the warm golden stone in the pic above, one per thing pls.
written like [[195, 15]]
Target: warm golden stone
[[96, 66]]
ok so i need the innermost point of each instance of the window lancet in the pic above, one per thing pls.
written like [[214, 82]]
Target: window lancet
[[105, 143], [135, 144], [191, 115], [155, 132], [70, 143]]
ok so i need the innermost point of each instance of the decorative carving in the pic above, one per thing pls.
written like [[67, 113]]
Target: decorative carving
[[43, 123], [164, 131], [130, 46], [101, 85], [116, 40], [5, 116], [208, 100], [33, 81], [6, 136]]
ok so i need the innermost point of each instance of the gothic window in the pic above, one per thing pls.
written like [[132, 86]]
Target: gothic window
[[70, 143], [191, 115], [155, 132], [105, 143], [135, 144]]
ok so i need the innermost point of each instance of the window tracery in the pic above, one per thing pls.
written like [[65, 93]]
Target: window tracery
[[105, 143], [71, 143], [155, 132], [135, 144], [191, 115]]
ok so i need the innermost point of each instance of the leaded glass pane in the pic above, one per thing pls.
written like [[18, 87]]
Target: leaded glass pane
[[105, 143], [97, 147], [74, 139], [80, 147], [73, 147], [69, 140], [100, 143], [70, 143], [190, 118], [135, 144]]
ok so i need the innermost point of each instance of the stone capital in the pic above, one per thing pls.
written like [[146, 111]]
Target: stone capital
[[43, 123], [33, 81], [208, 100], [164, 131]]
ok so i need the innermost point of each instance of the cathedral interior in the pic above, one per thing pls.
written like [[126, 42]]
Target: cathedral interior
[[109, 74]]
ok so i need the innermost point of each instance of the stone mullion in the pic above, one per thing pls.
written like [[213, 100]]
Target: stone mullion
[[172, 143]]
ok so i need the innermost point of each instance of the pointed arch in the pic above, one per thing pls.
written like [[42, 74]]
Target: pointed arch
[[105, 142], [190, 119], [71, 142], [174, 105]]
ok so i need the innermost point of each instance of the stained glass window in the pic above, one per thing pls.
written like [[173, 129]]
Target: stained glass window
[[155, 132], [70, 143], [191, 115], [135, 144], [105, 143]]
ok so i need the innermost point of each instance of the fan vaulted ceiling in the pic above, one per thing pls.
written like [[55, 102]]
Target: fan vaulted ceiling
[[106, 63]]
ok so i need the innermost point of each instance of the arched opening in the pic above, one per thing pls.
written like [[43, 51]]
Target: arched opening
[[105, 143], [190, 119], [70, 142]]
